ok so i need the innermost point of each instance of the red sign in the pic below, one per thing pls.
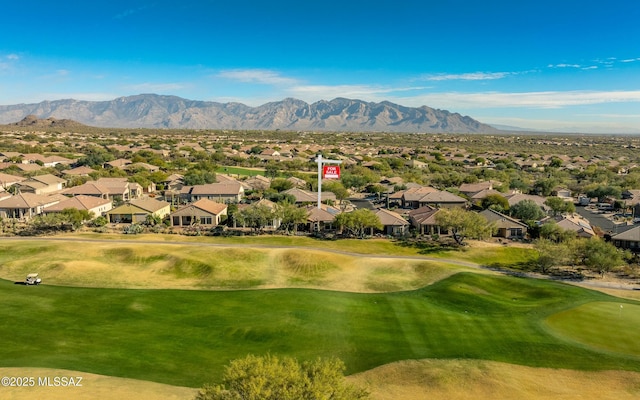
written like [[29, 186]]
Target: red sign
[[331, 171]]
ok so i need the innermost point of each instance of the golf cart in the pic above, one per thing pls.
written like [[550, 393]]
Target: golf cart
[[32, 279]]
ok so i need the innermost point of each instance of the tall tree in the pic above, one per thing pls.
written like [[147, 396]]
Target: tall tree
[[463, 224], [600, 256], [359, 221], [559, 206], [527, 210], [291, 216]]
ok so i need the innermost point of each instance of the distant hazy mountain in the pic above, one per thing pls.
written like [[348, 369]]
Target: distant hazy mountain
[[155, 111]]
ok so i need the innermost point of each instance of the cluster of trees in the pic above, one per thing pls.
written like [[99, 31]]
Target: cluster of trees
[[594, 253], [273, 378]]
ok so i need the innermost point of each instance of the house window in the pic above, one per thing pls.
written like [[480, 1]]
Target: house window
[[176, 221], [205, 220]]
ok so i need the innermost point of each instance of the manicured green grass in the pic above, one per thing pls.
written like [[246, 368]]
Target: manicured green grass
[[610, 326], [240, 171], [186, 337]]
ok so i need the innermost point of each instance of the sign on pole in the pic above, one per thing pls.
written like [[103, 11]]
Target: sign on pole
[[331, 172]]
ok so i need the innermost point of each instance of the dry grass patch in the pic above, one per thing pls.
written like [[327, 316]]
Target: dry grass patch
[[485, 380], [185, 266], [94, 387]]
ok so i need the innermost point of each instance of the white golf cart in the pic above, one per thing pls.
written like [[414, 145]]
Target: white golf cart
[[32, 279]]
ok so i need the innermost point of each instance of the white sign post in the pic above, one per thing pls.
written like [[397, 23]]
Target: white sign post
[[320, 162]]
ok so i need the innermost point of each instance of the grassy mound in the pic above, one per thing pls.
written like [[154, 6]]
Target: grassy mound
[[190, 266], [186, 337], [488, 380]]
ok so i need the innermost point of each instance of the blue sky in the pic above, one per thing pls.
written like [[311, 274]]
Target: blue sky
[[562, 64]]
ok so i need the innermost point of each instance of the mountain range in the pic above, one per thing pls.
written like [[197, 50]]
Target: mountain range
[[159, 111]]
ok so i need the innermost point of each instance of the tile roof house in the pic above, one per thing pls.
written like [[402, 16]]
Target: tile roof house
[[96, 205], [424, 220], [79, 171], [90, 188], [120, 189], [7, 180], [629, 239], [229, 192], [516, 198], [41, 184], [305, 196], [507, 227], [137, 210], [203, 212], [392, 222], [575, 223], [470, 189], [119, 163], [25, 206]]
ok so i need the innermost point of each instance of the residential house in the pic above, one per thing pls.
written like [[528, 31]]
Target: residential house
[[275, 222], [477, 197], [470, 189], [416, 164], [392, 223], [7, 180], [424, 220], [119, 163], [297, 182], [204, 212], [136, 211], [516, 198], [305, 196], [416, 197], [628, 240], [575, 223], [258, 182], [79, 171], [95, 205], [90, 188], [120, 189], [229, 192], [41, 184], [321, 219], [25, 206], [269, 153], [140, 166], [508, 227]]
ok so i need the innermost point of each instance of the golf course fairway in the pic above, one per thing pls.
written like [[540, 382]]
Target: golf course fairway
[[185, 337]]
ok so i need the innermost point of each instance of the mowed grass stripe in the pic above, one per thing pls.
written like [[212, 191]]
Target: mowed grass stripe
[[186, 337]]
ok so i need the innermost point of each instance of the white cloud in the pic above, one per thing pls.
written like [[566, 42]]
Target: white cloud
[[629, 60], [456, 100], [370, 93], [472, 76], [262, 76], [155, 87], [13, 57], [564, 66], [97, 96]]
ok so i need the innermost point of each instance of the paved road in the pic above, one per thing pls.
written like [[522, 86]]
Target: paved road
[[602, 222]]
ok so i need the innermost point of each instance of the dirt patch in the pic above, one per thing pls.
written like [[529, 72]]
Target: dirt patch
[[93, 387], [486, 380]]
